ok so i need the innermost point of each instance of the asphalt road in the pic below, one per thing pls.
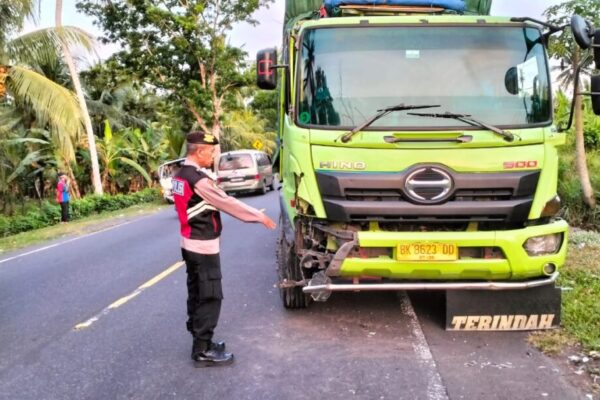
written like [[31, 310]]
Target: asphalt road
[[86, 320]]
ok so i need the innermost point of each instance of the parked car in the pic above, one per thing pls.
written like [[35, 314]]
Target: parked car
[[165, 174], [245, 171]]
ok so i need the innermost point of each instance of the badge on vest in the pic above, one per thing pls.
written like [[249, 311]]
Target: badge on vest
[[178, 187]]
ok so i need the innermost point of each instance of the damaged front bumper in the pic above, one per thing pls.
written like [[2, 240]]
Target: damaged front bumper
[[514, 269]]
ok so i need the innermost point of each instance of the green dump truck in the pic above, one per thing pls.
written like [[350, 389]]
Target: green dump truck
[[417, 150]]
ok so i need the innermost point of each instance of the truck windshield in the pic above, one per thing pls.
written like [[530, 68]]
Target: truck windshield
[[496, 74]]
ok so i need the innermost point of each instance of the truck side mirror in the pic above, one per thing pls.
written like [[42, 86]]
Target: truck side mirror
[[511, 80], [266, 71], [596, 94], [582, 31]]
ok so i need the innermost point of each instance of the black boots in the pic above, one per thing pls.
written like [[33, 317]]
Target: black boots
[[210, 354], [202, 345], [212, 358], [219, 346]]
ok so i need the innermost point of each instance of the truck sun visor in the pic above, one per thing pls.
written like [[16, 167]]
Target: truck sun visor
[[456, 5]]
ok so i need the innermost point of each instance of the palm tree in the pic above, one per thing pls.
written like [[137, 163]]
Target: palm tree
[[571, 57], [84, 111], [21, 86], [241, 128]]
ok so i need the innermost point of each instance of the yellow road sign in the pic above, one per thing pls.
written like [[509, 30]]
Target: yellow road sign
[[257, 144]]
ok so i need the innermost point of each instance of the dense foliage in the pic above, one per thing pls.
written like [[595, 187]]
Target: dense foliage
[[569, 185], [176, 72], [175, 76], [181, 48]]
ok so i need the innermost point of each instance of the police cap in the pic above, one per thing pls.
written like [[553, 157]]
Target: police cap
[[202, 138]]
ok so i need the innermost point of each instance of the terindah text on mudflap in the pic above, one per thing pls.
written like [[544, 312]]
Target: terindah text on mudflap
[[418, 152]]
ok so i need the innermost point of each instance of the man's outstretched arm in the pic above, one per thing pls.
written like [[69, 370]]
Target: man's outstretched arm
[[208, 190]]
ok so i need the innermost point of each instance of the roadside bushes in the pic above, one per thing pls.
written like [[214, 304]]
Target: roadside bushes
[[574, 209], [49, 214]]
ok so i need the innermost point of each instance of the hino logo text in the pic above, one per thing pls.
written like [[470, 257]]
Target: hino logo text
[[360, 165]]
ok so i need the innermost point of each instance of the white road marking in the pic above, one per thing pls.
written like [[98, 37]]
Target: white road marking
[[125, 299], [435, 387], [70, 240]]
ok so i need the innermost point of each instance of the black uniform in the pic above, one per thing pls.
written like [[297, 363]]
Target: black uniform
[[201, 221]]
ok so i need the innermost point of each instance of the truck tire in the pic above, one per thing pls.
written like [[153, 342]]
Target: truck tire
[[288, 267]]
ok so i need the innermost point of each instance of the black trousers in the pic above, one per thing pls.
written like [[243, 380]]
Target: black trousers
[[204, 293], [64, 211]]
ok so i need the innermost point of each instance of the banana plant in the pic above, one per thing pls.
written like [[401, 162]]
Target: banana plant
[[112, 154]]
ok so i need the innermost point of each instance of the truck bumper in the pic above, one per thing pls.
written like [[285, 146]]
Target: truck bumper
[[492, 285], [516, 265]]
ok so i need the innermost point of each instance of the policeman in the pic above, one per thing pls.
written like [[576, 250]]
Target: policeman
[[198, 201]]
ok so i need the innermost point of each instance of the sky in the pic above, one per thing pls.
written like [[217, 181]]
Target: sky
[[268, 33]]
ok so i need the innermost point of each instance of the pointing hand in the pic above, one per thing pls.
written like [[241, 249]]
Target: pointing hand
[[268, 222]]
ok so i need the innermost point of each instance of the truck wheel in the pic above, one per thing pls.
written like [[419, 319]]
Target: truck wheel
[[288, 267]]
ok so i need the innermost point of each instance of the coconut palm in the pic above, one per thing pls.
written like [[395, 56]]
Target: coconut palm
[[84, 111], [22, 154], [242, 128], [114, 105], [23, 87]]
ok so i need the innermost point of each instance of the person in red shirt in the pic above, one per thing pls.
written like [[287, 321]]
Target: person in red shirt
[[198, 201], [62, 196]]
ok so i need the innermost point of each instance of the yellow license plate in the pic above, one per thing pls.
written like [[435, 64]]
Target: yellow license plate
[[426, 251]]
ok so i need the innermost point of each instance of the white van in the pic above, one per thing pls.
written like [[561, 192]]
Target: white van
[[245, 171], [165, 175]]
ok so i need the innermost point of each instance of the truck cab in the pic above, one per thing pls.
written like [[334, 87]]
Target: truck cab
[[418, 151]]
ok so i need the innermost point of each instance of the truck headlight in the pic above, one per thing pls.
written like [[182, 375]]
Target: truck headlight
[[543, 245]]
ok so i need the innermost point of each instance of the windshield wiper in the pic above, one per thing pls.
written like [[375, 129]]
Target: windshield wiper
[[380, 114], [467, 119]]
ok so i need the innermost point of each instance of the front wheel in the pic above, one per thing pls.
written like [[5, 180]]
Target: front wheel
[[288, 268]]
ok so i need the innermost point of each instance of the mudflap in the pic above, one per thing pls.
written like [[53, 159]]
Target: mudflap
[[503, 310]]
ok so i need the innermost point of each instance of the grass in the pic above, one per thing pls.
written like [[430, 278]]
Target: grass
[[580, 305], [79, 227]]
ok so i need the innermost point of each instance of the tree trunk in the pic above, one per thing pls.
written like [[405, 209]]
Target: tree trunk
[[580, 155], [86, 116], [105, 183], [217, 112]]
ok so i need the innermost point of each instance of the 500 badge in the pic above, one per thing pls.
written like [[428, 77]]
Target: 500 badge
[[520, 164]]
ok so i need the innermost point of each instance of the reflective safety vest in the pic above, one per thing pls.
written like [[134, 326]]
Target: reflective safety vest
[[198, 218]]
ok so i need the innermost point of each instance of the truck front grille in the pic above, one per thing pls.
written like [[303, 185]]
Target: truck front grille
[[475, 197], [396, 195]]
